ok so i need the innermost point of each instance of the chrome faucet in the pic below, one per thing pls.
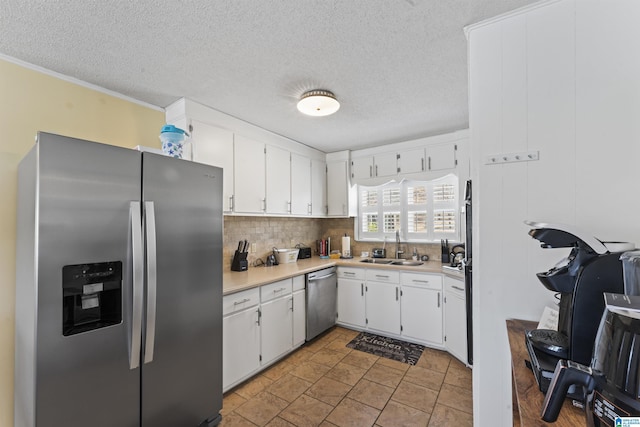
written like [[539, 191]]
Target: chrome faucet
[[398, 251]]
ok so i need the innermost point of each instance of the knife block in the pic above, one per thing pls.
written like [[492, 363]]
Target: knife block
[[239, 262]]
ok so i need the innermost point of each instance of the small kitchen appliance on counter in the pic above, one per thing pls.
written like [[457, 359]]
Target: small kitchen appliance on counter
[[592, 268], [305, 251], [456, 256], [612, 381]]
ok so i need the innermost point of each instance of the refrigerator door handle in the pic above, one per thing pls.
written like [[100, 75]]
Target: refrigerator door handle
[[150, 232], [138, 277]]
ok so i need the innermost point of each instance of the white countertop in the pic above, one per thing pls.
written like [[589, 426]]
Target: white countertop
[[236, 281]]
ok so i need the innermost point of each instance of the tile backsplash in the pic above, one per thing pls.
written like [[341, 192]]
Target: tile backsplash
[[270, 232]]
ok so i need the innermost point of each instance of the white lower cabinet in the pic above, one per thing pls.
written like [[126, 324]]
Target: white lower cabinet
[[383, 307], [299, 311], [422, 307], [351, 299], [455, 318], [240, 337], [276, 306]]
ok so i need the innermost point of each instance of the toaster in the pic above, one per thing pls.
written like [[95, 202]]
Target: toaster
[[304, 253]]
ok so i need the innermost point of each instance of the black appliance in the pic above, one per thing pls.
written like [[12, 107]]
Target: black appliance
[[579, 280], [612, 382], [467, 267], [456, 256], [304, 253]]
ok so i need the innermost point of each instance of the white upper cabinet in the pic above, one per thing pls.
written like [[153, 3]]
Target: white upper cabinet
[[441, 157], [214, 146], [362, 168], [337, 188], [278, 180], [411, 161], [318, 187], [300, 185], [249, 172], [385, 164]]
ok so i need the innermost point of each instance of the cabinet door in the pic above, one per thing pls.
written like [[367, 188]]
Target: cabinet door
[[441, 156], [385, 165], [318, 188], [351, 302], [362, 168], [278, 180], [337, 189], [422, 314], [277, 328], [214, 146], [383, 307], [455, 319], [249, 175], [299, 318], [300, 185], [412, 161], [240, 346]]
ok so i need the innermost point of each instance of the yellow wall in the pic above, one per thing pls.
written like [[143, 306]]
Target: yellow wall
[[31, 101]]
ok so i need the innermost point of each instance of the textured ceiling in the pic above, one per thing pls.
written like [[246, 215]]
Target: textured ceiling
[[398, 67]]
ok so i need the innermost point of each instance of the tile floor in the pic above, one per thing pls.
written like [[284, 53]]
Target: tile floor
[[324, 383]]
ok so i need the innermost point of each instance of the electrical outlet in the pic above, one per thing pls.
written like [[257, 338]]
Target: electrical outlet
[[253, 248], [293, 242]]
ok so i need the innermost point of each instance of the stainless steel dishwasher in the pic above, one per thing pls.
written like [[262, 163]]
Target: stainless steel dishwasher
[[322, 292]]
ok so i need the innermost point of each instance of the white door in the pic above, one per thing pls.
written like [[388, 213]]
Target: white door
[[318, 188], [441, 157], [299, 318], [337, 189], [277, 328], [278, 180], [383, 307], [351, 302], [214, 146], [422, 314], [362, 168], [385, 165], [412, 161], [240, 346], [300, 185], [249, 175]]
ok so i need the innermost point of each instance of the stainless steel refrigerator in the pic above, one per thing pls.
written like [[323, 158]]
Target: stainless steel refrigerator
[[119, 288]]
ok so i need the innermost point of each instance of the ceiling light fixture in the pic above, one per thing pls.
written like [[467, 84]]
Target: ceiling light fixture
[[318, 102]]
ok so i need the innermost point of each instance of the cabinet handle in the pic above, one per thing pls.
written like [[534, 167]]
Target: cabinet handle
[[291, 304], [259, 317], [422, 164], [350, 273], [242, 301], [288, 207], [458, 288], [382, 276], [438, 299], [275, 291], [231, 203], [396, 293], [361, 289], [429, 162], [376, 170], [419, 281], [264, 204], [309, 208], [370, 171]]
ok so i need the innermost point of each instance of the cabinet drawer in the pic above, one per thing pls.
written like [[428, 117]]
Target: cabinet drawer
[[454, 286], [380, 275], [430, 281], [240, 301], [351, 273], [298, 283], [275, 290]]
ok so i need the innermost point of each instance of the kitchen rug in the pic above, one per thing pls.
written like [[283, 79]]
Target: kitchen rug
[[389, 348]]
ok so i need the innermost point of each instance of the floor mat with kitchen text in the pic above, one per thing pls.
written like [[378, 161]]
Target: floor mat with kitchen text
[[389, 348]]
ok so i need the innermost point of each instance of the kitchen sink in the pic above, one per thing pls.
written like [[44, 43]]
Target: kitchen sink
[[403, 262], [387, 261], [377, 261]]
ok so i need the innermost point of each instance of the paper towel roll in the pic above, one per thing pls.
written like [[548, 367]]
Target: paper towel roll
[[346, 246]]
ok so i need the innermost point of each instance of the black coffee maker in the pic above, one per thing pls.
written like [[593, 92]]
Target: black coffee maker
[[579, 280], [612, 381]]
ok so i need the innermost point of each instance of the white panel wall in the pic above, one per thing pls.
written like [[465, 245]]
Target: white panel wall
[[561, 77]]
